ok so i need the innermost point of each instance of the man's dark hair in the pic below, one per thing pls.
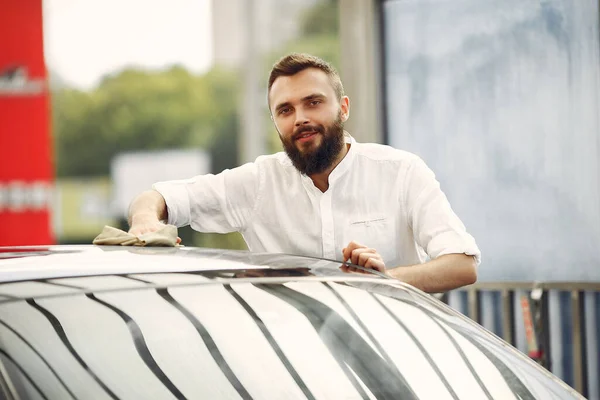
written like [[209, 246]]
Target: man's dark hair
[[297, 62]]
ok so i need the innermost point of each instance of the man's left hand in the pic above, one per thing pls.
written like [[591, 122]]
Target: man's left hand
[[363, 256]]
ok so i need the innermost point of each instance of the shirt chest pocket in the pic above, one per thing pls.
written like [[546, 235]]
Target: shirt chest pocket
[[377, 232]]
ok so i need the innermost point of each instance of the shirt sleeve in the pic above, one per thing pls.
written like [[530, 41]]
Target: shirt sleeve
[[219, 203], [436, 228]]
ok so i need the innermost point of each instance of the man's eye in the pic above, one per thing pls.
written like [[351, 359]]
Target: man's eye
[[315, 102], [284, 111]]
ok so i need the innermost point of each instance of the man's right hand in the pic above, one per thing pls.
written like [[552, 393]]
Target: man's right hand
[[146, 212], [141, 224], [148, 223]]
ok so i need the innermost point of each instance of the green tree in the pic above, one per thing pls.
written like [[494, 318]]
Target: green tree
[[141, 110]]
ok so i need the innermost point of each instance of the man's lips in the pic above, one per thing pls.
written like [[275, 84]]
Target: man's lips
[[305, 136]]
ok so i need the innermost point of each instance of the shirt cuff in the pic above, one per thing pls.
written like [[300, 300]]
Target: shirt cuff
[[176, 198], [453, 243]]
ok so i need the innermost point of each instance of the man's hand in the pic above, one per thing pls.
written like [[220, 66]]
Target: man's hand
[[141, 224], [145, 223], [439, 275], [146, 213], [363, 256]]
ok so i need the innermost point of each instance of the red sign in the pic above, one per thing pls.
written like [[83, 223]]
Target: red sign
[[26, 172]]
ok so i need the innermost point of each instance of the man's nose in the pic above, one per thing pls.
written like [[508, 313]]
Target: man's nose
[[301, 118]]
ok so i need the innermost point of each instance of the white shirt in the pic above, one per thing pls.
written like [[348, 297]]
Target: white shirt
[[378, 196]]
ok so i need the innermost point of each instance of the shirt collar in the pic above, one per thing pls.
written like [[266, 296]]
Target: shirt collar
[[346, 162]]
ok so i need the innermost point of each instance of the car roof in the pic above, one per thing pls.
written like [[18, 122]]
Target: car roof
[[87, 322], [47, 262]]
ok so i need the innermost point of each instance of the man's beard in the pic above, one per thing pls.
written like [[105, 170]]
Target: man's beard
[[316, 160]]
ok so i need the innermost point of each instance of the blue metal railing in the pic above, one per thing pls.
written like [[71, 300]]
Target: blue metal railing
[[555, 323]]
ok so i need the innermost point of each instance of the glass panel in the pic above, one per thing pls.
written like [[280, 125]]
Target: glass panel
[[501, 100]]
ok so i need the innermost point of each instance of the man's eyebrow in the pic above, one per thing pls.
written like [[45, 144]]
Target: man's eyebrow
[[282, 105], [313, 96]]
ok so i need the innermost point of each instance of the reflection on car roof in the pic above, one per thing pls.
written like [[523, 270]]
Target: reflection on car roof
[[252, 340], [213, 324]]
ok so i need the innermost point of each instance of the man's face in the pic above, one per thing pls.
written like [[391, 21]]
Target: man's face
[[309, 119]]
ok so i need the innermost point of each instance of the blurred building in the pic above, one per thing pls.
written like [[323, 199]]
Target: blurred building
[[133, 172], [273, 22], [82, 207]]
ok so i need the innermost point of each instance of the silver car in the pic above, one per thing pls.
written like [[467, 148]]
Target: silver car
[[88, 322]]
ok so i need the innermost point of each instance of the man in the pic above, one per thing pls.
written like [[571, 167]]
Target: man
[[326, 195]]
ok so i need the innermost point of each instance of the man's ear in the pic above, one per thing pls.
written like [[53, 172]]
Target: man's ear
[[345, 108]]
